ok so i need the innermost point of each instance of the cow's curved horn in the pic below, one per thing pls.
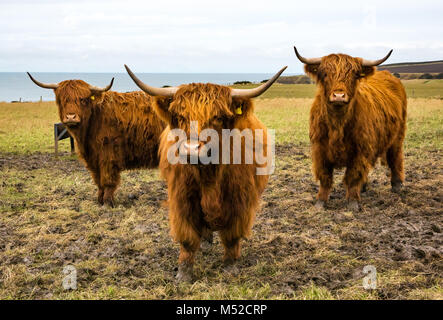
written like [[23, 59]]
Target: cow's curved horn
[[252, 93], [43, 85], [373, 63], [153, 91], [100, 89], [307, 60]]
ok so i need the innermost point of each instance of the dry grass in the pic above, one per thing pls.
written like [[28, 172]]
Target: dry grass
[[49, 219]]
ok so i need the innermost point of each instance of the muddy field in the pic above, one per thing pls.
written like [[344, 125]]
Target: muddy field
[[49, 219]]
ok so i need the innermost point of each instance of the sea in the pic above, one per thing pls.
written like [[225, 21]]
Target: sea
[[16, 86]]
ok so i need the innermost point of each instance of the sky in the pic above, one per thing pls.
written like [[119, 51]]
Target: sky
[[210, 36]]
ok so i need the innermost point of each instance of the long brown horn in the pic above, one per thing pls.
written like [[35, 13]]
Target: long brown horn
[[153, 91], [307, 60], [373, 63], [100, 89], [252, 93], [43, 85]]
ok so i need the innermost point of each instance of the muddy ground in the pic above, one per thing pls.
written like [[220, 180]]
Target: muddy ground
[[49, 219]]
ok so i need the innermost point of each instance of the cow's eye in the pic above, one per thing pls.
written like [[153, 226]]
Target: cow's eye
[[217, 119], [181, 119]]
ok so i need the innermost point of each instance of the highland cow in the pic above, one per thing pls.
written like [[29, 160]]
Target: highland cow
[[358, 115], [204, 198], [112, 131]]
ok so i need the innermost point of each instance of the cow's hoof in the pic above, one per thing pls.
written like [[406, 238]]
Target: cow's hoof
[[396, 186], [205, 245], [109, 201], [320, 205], [231, 269], [353, 205], [364, 188], [100, 197], [207, 240], [184, 274]]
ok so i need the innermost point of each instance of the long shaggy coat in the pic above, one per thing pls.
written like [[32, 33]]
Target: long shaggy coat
[[212, 197], [371, 125], [117, 131]]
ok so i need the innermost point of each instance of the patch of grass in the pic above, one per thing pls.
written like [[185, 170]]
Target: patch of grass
[[314, 293], [289, 117], [424, 88], [279, 90], [29, 127], [425, 124]]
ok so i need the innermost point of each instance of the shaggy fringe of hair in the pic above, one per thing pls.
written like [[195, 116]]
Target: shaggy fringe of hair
[[200, 102]]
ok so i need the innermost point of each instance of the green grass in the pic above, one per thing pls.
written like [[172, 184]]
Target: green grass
[[284, 90], [424, 88], [28, 127]]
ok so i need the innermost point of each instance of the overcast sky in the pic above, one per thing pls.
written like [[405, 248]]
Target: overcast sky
[[210, 36]]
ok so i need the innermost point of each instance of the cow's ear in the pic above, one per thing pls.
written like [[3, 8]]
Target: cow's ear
[[161, 108], [95, 95], [312, 70], [241, 107], [366, 71]]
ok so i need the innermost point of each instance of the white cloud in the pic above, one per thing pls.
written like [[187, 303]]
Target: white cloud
[[205, 36]]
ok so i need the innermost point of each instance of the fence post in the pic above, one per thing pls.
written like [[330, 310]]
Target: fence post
[[56, 140], [72, 145]]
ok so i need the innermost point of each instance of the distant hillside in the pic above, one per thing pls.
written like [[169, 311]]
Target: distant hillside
[[404, 70], [414, 67]]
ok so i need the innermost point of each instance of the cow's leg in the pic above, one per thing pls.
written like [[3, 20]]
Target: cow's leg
[[207, 238], [108, 195], [100, 194], [189, 240], [186, 226], [109, 180], [96, 177], [186, 259], [394, 157], [355, 177], [231, 243], [365, 187], [101, 190], [323, 171], [324, 190], [240, 228]]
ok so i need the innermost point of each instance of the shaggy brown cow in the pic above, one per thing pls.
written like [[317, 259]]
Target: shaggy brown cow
[[358, 115], [209, 197], [113, 131]]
